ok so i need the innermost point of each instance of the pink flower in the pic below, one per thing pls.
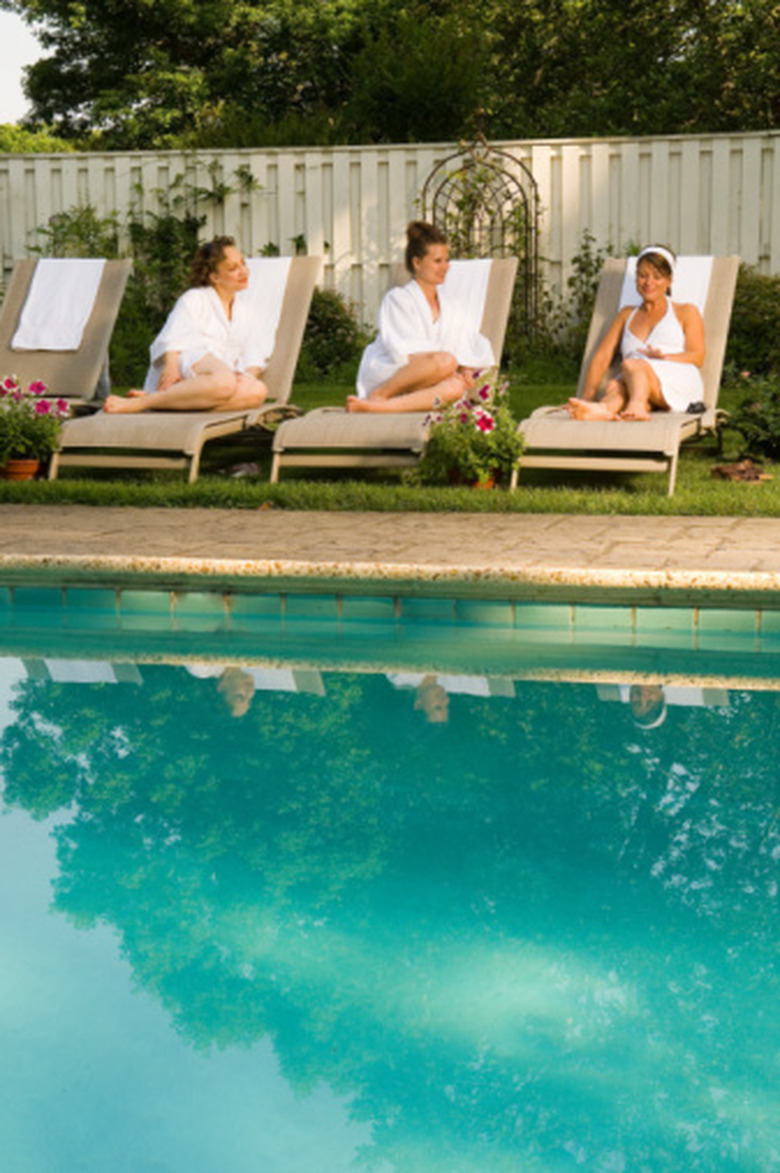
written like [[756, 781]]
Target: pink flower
[[484, 391], [38, 388], [463, 418], [63, 407], [485, 423], [42, 407]]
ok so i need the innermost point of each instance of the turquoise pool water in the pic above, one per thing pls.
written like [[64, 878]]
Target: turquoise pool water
[[412, 888]]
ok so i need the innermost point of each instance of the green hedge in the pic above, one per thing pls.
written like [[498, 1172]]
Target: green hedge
[[754, 336]]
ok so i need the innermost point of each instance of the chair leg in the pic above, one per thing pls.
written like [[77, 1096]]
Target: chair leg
[[275, 469], [673, 472], [194, 465]]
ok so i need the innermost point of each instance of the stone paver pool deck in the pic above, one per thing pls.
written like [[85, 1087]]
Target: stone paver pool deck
[[656, 558]]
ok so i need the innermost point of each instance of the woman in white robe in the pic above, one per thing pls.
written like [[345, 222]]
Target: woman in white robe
[[427, 352], [205, 357]]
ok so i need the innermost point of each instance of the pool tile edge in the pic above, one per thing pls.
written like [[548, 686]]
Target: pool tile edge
[[352, 576]]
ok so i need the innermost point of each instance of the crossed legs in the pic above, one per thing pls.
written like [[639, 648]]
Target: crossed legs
[[632, 396], [214, 386], [425, 382]]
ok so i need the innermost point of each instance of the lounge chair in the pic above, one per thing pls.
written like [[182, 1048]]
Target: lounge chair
[[266, 678], [78, 372], [554, 440], [331, 437], [175, 439], [83, 671]]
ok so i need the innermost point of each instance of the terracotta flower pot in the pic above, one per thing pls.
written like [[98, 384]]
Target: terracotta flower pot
[[20, 469], [488, 482]]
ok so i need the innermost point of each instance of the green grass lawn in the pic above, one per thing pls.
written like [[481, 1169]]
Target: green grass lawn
[[697, 493]]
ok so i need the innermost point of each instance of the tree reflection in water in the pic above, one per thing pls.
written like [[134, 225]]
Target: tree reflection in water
[[534, 935]]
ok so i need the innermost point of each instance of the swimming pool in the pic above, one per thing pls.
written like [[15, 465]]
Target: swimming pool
[[431, 893]]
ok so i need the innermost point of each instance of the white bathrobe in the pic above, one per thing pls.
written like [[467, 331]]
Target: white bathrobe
[[406, 327], [198, 325]]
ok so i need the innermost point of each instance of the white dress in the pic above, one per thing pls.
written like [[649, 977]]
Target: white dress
[[198, 325], [406, 326], [681, 382]]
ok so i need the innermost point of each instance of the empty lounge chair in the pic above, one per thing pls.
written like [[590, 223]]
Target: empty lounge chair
[[56, 323]]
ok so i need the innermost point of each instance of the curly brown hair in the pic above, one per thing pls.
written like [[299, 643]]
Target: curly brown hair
[[208, 258]]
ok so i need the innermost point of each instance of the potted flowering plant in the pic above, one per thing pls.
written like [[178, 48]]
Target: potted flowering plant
[[29, 423], [474, 441]]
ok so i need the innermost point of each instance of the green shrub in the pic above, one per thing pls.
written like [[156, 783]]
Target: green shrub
[[754, 336], [582, 287], [757, 419], [333, 340], [80, 232], [162, 246], [562, 319]]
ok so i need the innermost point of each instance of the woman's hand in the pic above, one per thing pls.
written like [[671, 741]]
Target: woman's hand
[[171, 372], [693, 334]]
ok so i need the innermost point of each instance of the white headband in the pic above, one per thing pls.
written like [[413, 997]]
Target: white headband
[[659, 720], [663, 252]]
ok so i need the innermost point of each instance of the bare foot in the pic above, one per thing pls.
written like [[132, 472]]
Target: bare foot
[[396, 405], [583, 409], [634, 413], [124, 405]]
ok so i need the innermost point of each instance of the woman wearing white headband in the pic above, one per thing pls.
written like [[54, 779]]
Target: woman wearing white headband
[[661, 349]]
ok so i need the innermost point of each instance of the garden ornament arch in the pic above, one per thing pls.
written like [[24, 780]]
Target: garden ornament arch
[[487, 202]]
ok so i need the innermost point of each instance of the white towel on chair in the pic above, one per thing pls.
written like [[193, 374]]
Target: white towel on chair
[[690, 284], [267, 283], [58, 304], [467, 281]]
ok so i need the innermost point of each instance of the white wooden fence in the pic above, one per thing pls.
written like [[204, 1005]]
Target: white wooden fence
[[714, 194]]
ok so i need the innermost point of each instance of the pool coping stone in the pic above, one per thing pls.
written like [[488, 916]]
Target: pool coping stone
[[671, 561]]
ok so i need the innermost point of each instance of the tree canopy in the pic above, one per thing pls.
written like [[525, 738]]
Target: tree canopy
[[157, 73], [16, 140]]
